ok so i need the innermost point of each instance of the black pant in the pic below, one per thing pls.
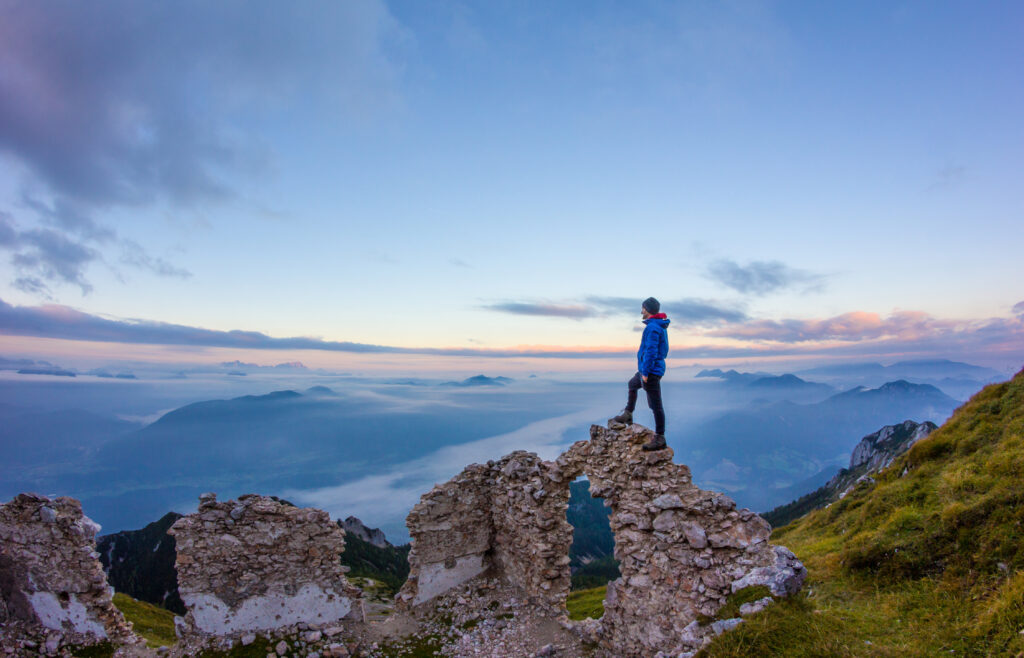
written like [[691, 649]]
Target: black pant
[[653, 388]]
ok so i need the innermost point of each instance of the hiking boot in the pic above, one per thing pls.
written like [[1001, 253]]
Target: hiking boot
[[625, 418], [657, 443]]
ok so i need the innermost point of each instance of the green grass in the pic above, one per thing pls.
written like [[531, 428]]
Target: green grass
[[153, 623], [736, 599], [929, 561], [586, 603]]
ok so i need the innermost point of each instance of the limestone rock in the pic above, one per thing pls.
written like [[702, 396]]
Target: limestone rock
[[720, 627], [783, 577], [754, 607]]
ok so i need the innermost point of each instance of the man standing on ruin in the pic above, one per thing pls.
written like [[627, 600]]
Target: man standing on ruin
[[650, 369]]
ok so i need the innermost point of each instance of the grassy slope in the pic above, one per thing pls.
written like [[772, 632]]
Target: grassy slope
[[925, 563], [389, 565], [152, 622], [586, 603]]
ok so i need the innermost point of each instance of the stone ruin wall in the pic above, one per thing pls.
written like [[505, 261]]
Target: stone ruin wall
[[251, 565], [501, 518], [451, 536], [257, 564], [682, 550], [53, 592], [532, 536]]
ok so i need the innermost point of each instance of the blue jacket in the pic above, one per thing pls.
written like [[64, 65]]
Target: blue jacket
[[650, 359]]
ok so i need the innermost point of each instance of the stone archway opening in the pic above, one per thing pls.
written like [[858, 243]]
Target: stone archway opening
[[592, 560], [682, 550]]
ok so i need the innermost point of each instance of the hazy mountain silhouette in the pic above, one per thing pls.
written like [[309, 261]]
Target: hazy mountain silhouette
[[757, 454]]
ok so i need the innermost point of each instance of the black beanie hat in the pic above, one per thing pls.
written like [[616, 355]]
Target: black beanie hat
[[652, 305]]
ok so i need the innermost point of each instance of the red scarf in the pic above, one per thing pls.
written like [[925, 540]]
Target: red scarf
[[658, 316]]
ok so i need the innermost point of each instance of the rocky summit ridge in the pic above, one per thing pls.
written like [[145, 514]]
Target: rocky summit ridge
[[489, 551]]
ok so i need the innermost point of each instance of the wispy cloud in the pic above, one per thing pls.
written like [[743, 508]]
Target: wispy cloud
[[1018, 308], [697, 312], [573, 311], [854, 326], [99, 101], [684, 312], [8, 235], [763, 277], [948, 177], [54, 256], [134, 105], [134, 255]]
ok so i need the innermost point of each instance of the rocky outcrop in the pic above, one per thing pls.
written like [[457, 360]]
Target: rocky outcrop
[[375, 536], [873, 454], [257, 564], [682, 550], [876, 451], [53, 592]]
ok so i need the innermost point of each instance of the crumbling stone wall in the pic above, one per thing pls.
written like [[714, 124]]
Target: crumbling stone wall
[[53, 592], [531, 534], [499, 518], [257, 564], [451, 533], [682, 550]]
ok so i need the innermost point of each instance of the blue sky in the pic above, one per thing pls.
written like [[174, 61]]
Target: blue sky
[[819, 180]]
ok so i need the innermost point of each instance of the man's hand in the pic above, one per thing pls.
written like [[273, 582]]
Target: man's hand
[[645, 378]]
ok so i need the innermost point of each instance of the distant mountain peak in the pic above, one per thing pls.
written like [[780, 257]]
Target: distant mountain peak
[[275, 395], [764, 380], [481, 380], [903, 385], [373, 536], [733, 376], [787, 381]]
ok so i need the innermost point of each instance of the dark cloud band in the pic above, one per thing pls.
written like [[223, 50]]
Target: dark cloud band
[[52, 321], [920, 335], [683, 312], [545, 310]]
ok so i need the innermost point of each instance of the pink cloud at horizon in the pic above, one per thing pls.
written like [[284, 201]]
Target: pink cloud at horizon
[[857, 326], [62, 331]]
